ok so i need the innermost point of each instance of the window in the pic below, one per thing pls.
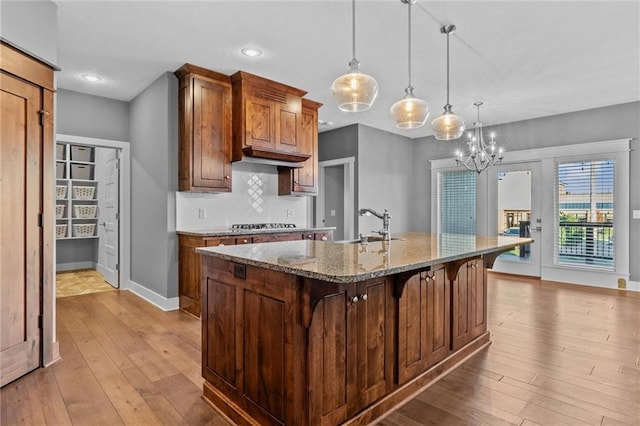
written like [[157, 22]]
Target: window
[[457, 202], [584, 210]]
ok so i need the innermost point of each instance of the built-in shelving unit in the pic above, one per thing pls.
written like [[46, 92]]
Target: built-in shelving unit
[[76, 192]]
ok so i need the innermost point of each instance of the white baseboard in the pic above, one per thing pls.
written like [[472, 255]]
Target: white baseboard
[[74, 266], [166, 304], [101, 269], [633, 285]]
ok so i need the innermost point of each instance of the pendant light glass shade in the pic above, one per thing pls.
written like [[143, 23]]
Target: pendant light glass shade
[[448, 126], [410, 112], [354, 91]]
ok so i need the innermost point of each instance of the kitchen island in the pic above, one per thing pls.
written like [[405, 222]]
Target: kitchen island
[[323, 333]]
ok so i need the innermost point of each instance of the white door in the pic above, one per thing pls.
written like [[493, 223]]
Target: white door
[[514, 209], [109, 218]]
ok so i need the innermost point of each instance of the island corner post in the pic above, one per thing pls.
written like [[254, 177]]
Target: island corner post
[[285, 342]]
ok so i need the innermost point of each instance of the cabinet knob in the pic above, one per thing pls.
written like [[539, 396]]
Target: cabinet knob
[[309, 237], [245, 241], [364, 296], [221, 244], [296, 182], [227, 177], [324, 238], [354, 299]]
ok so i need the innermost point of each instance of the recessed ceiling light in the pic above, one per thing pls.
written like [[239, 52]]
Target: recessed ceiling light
[[91, 77], [251, 51]]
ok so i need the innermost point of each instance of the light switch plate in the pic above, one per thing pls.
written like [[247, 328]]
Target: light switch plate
[[636, 214]]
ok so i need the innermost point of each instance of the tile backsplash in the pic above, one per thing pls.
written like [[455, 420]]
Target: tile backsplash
[[254, 199]]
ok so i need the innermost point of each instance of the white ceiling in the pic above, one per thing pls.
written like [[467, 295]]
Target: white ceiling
[[524, 59]]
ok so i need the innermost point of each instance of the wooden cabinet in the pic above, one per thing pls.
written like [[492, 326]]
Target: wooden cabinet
[[303, 180], [423, 321], [189, 279], [468, 295], [27, 219], [205, 137], [351, 340], [267, 119]]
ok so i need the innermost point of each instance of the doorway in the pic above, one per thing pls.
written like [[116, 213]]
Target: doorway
[[514, 210], [336, 198], [92, 228]]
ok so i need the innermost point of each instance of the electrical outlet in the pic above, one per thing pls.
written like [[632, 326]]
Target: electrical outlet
[[291, 213], [202, 213], [636, 214], [622, 283]]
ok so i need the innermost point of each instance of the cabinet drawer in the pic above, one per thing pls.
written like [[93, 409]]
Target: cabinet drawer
[[289, 236], [244, 240], [213, 242], [323, 236]]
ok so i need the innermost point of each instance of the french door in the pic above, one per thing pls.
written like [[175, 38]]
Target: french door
[[514, 209]]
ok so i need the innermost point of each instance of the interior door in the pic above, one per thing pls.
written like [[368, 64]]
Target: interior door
[[109, 217], [514, 209], [20, 230]]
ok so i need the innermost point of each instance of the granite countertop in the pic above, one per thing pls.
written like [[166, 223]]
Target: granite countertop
[[224, 232], [342, 262]]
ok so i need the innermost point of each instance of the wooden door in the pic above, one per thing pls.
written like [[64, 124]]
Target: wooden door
[[423, 323], [20, 227], [468, 296], [211, 134], [375, 339]]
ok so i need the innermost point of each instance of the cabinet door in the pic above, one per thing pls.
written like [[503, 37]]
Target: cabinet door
[[423, 323], [375, 340], [468, 304], [211, 162], [260, 129], [288, 125], [305, 179]]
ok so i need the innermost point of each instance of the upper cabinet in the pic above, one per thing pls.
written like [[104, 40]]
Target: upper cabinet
[[303, 180], [267, 119], [205, 132]]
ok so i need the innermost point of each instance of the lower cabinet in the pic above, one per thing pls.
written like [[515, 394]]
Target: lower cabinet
[[424, 318], [189, 280], [468, 301], [351, 349]]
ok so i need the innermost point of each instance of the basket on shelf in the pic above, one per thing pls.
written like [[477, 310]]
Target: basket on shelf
[[59, 170], [81, 153], [85, 211], [83, 192], [59, 211], [59, 151], [81, 171], [61, 231], [61, 192], [83, 229]]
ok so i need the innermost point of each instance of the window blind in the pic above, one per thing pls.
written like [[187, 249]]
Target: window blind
[[584, 210], [456, 199]]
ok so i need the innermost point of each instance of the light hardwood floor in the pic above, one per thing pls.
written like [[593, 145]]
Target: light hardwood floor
[[561, 354]]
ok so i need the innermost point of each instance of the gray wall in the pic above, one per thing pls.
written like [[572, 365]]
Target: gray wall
[[599, 124], [384, 178], [32, 26], [80, 114], [154, 178]]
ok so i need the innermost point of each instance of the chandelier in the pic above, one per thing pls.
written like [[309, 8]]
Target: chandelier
[[354, 91], [480, 155]]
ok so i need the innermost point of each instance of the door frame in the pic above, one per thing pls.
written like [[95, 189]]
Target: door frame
[[349, 193], [124, 234]]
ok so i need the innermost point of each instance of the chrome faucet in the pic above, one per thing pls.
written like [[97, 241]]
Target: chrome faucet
[[386, 218]]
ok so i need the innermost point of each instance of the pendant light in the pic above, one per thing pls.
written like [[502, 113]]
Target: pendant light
[[354, 91], [410, 112], [448, 126]]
